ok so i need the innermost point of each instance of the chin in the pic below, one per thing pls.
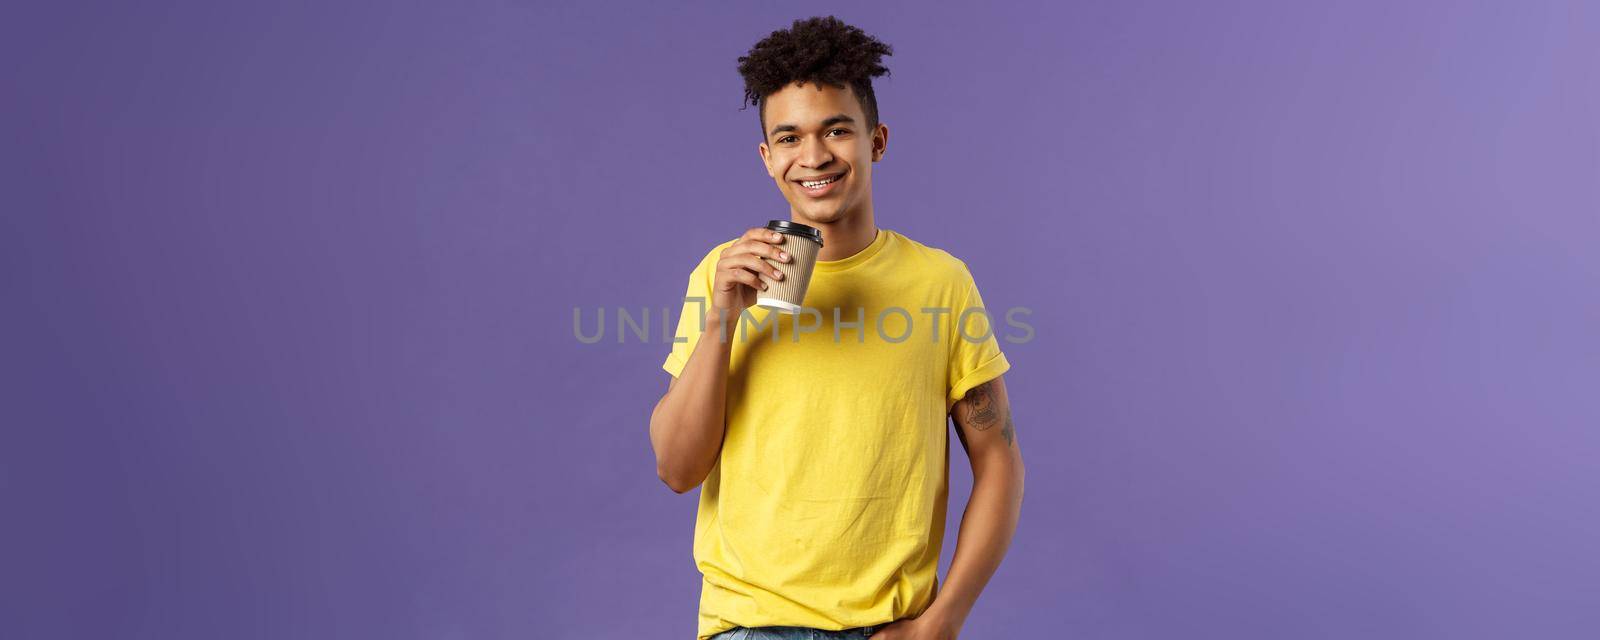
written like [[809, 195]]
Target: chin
[[826, 216]]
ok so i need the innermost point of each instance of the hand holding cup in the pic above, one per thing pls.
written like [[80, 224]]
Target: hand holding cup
[[738, 280]]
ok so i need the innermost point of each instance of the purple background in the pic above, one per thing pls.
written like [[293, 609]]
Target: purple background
[[288, 293]]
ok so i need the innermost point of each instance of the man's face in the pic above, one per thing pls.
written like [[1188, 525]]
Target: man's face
[[816, 132]]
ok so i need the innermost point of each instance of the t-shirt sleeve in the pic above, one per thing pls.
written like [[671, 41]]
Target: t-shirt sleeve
[[696, 299], [975, 356]]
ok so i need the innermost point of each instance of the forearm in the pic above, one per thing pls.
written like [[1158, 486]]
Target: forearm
[[686, 427], [987, 526]]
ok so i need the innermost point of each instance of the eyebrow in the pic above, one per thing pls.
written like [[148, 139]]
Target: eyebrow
[[827, 122]]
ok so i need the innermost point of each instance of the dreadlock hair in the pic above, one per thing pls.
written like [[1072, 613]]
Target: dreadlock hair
[[823, 50]]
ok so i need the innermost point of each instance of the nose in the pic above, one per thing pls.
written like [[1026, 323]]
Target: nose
[[814, 154]]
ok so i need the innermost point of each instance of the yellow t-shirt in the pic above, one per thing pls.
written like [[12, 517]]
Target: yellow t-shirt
[[826, 508]]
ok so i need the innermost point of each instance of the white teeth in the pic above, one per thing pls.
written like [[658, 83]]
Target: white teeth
[[813, 185]]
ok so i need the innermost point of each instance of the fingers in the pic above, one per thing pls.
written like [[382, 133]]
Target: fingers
[[762, 234], [761, 242], [757, 265], [745, 261], [749, 263], [735, 274]]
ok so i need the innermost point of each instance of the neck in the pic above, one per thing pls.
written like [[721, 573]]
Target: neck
[[843, 238]]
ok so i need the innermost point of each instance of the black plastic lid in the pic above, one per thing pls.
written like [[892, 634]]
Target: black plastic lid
[[796, 229]]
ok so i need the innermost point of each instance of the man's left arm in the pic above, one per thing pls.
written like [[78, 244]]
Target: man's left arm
[[987, 432]]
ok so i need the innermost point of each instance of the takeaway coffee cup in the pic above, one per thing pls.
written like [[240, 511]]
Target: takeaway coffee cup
[[802, 244]]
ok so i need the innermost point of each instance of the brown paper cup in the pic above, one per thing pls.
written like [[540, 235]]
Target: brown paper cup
[[787, 295]]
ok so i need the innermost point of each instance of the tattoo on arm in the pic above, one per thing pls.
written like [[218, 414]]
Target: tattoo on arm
[[981, 409], [984, 411]]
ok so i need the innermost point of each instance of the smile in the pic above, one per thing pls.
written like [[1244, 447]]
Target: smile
[[817, 188]]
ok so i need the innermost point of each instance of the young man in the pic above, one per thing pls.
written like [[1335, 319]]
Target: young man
[[820, 437]]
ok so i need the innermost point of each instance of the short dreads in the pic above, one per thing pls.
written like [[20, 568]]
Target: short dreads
[[819, 50]]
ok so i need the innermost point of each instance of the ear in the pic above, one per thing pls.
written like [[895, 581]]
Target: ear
[[766, 159], [880, 141]]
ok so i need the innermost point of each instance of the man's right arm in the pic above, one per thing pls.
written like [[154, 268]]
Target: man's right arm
[[686, 426]]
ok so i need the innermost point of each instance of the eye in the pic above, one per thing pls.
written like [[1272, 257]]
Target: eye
[[785, 139], [840, 131]]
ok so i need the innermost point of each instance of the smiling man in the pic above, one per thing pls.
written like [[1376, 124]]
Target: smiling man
[[823, 457]]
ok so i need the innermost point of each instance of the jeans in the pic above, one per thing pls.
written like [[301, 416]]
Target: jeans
[[795, 633]]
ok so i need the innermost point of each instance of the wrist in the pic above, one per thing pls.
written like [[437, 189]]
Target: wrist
[[946, 614], [719, 319]]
